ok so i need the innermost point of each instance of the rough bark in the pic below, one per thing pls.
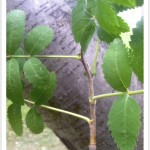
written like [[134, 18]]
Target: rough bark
[[72, 88]]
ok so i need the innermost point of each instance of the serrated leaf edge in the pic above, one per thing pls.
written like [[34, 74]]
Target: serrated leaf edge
[[135, 143]]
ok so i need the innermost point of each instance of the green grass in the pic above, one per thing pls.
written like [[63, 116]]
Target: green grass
[[44, 141]]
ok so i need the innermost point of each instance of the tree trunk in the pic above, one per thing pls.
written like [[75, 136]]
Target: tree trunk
[[72, 87]]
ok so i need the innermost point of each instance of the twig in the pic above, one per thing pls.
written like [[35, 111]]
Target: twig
[[62, 111], [117, 94], [78, 57], [94, 65], [90, 78], [92, 125]]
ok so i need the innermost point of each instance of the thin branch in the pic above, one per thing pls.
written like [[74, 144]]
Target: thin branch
[[117, 94], [78, 57], [94, 65], [90, 78], [92, 125], [62, 111]]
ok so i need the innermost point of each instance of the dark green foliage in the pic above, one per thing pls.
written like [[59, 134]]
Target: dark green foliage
[[87, 36], [15, 30], [116, 68], [104, 36], [15, 118], [125, 3], [115, 25], [42, 95], [14, 86], [43, 82], [21, 61], [124, 122], [136, 44], [91, 5], [122, 8], [34, 121], [85, 17], [83, 26], [36, 72], [139, 2], [38, 39]]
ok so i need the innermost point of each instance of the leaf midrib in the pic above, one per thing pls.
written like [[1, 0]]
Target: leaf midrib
[[10, 40], [12, 89], [37, 42], [34, 70], [125, 114], [116, 66]]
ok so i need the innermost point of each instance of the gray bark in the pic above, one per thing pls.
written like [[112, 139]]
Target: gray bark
[[72, 88]]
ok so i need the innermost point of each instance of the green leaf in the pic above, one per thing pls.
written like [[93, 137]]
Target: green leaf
[[104, 36], [15, 118], [34, 121], [38, 39], [124, 122], [83, 26], [139, 2], [87, 36], [14, 85], [123, 26], [15, 30], [116, 67], [42, 95], [137, 50], [21, 61], [113, 25], [91, 4], [103, 12], [125, 3], [36, 72], [122, 8]]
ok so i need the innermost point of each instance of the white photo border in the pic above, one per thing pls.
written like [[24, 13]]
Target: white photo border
[[3, 76]]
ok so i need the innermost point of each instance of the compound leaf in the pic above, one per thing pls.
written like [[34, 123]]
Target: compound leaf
[[14, 85], [83, 26], [15, 118], [42, 95], [136, 44], [116, 66], [38, 39], [34, 121], [21, 61], [124, 122], [15, 30], [36, 72]]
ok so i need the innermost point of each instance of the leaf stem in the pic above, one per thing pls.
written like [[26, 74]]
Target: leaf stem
[[117, 94], [62, 111], [78, 57]]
